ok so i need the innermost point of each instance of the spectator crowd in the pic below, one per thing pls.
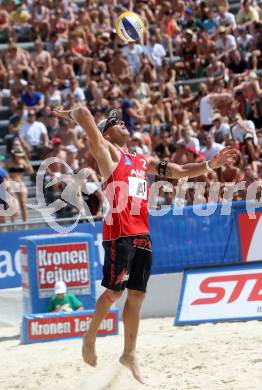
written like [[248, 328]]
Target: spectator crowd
[[189, 89]]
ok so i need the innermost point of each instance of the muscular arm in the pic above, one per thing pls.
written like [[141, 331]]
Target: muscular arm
[[175, 171], [106, 155]]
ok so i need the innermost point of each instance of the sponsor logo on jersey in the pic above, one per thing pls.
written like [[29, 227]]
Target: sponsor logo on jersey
[[127, 160]]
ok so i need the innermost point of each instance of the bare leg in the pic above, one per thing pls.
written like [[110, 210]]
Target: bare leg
[[131, 318], [103, 304]]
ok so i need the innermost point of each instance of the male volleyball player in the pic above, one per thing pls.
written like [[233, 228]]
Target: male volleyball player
[[126, 240]]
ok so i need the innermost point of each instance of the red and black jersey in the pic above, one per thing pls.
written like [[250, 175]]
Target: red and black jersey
[[127, 192]]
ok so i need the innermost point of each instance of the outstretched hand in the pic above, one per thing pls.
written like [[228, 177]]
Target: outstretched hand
[[226, 156], [60, 113]]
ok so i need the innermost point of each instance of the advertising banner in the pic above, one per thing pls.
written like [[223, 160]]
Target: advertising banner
[[54, 326], [63, 261], [48, 258], [179, 242], [221, 294], [250, 230]]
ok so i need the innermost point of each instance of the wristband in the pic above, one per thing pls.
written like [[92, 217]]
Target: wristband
[[208, 167], [162, 168]]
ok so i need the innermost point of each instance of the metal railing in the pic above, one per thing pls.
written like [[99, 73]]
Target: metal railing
[[40, 223]]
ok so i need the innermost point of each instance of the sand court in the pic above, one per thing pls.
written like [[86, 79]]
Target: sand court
[[223, 356]]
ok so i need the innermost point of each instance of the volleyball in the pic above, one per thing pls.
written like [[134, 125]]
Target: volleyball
[[129, 27]]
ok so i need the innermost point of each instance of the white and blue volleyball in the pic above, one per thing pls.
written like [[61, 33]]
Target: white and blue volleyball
[[129, 27]]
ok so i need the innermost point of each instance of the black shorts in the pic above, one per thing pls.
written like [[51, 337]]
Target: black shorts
[[128, 262]]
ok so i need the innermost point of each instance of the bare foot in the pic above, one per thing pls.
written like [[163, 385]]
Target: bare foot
[[129, 361], [89, 351]]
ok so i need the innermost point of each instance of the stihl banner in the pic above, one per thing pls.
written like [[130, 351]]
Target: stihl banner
[[221, 294]]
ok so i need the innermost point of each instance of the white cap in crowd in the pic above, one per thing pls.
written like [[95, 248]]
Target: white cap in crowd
[[60, 287]]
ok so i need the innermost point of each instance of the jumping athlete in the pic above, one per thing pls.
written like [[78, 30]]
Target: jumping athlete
[[126, 240]]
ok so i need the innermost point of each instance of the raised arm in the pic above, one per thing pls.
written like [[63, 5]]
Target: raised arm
[[106, 155], [175, 171]]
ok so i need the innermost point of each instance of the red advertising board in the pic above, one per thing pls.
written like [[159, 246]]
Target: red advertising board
[[250, 236], [63, 261], [50, 327]]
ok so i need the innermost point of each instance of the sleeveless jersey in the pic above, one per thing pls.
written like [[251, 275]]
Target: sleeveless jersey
[[127, 193]]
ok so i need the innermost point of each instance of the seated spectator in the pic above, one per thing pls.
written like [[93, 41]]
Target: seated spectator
[[53, 95], [3, 195], [166, 147], [120, 69], [241, 128], [137, 144], [251, 152], [187, 50], [5, 23], [32, 99], [210, 23], [21, 21], [75, 90], [155, 51], [247, 14], [71, 160], [67, 134], [17, 60], [17, 165], [94, 199], [62, 71], [188, 140], [133, 52], [226, 19], [129, 115], [216, 70], [220, 129], [40, 19], [225, 43], [34, 136], [63, 301], [211, 147], [42, 58]]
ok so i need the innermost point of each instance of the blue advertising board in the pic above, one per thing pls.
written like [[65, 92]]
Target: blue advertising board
[[179, 242]]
